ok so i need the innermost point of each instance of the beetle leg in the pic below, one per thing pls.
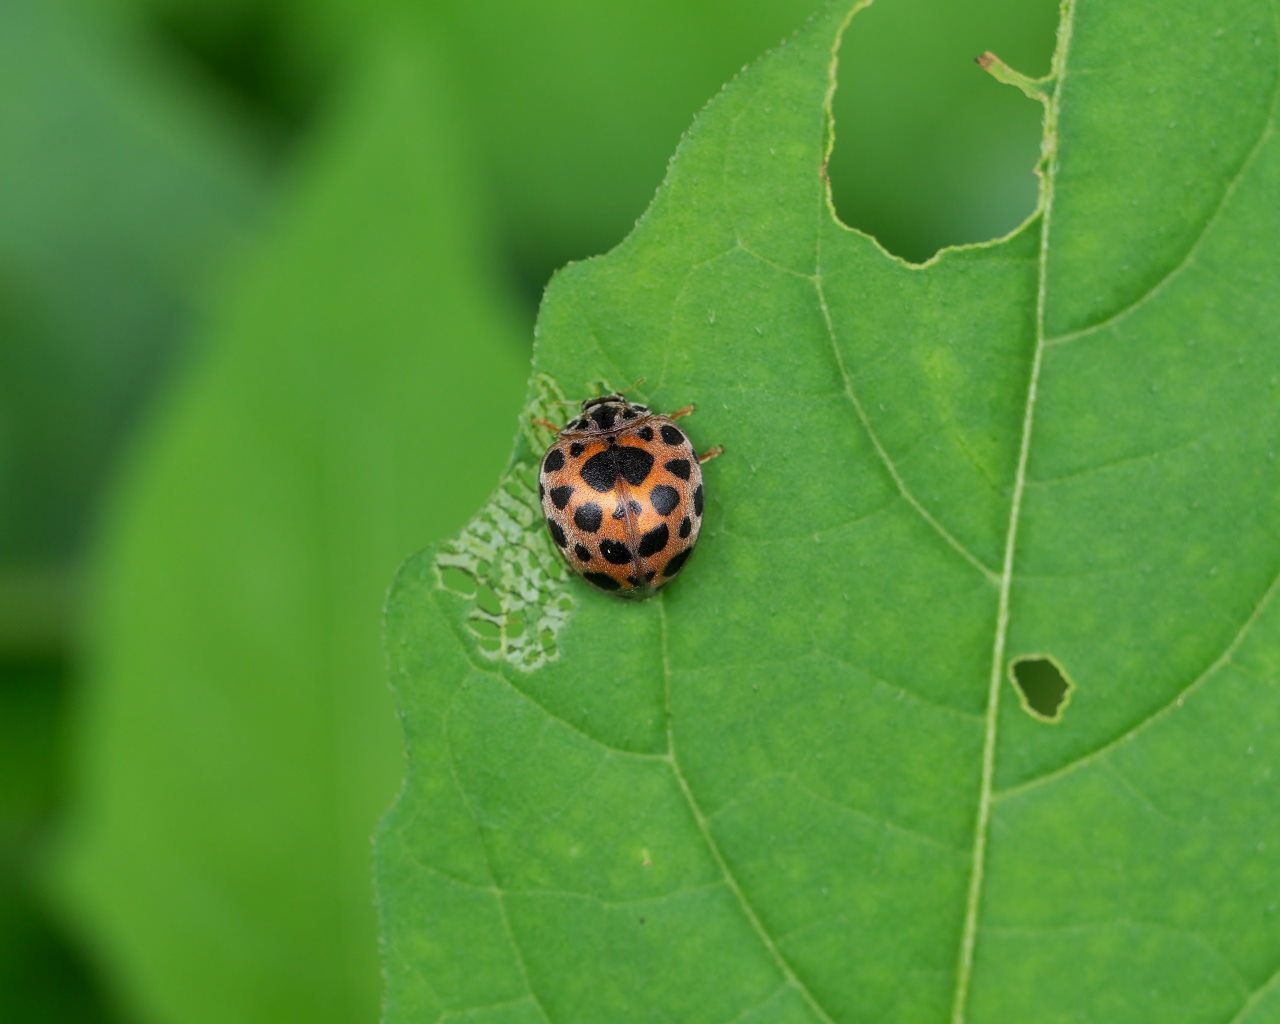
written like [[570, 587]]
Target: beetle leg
[[681, 412], [710, 454], [538, 421]]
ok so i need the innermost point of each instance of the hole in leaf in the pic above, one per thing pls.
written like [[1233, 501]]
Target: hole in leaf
[[458, 582], [931, 151], [487, 601], [1042, 685]]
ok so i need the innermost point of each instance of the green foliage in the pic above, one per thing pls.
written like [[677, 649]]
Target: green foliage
[[236, 741], [800, 785], [574, 105], [243, 740], [119, 192]]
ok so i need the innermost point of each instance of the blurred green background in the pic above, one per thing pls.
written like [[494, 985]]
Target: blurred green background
[[268, 277]]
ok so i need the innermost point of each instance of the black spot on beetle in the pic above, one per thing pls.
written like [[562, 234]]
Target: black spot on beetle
[[588, 517], [602, 470], [648, 577], [553, 461], [557, 534], [671, 435], [697, 500], [634, 465], [602, 580], [560, 495], [664, 498], [615, 551], [604, 416], [634, 580], [542, 492], [583, 554], [620, 512], [676, 563], [653, 541], [576, 449], [686, 527], [646, 433], [680, 467]]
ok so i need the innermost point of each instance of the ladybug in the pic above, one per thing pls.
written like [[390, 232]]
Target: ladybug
[[621, 489]]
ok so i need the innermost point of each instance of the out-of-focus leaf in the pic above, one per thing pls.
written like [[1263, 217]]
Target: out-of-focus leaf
[[120, 190], [605, 92], [239, 740], [801, 784], [42, 977]]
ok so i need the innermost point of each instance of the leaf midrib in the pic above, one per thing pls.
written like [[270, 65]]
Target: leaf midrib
[[982, 820]]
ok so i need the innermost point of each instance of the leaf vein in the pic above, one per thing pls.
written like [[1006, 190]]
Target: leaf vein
[[899, 688], [704, 827], [886, 460], [1206, 230], [499, 896], [675, 306], [1256, 997], [774, 536], [737, 1018], [883, 823], [793, 778], [982, 814], [638, 901], [495, 671], [1123, 460]]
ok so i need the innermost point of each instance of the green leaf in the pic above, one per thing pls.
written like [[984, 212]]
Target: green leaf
[[239, 740], [803, 784]]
